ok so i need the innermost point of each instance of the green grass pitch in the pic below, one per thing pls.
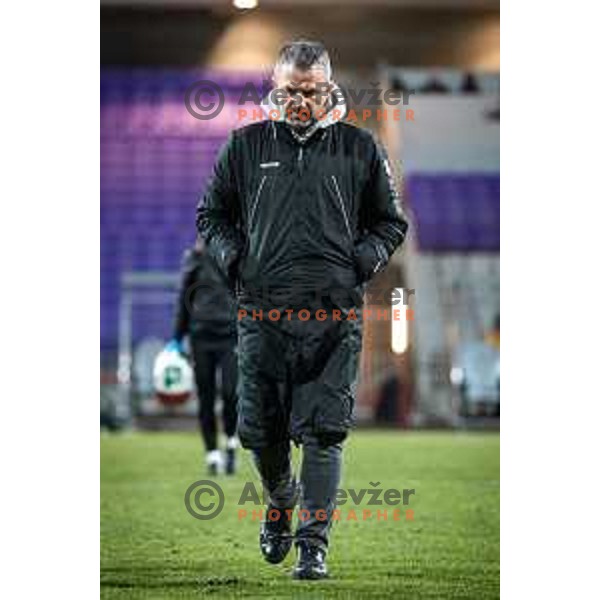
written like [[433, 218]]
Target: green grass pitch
[[152, 548]]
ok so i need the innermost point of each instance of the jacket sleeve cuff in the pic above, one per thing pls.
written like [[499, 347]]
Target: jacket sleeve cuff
[[371, 258]]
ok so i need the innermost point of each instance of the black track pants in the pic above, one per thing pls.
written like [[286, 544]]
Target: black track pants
[[298, 382], [206, 363]]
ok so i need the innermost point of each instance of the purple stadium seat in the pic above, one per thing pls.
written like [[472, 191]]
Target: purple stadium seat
[[456, 213]]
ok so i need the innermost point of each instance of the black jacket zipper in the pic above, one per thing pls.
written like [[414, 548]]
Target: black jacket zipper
[[340, 200], [255, 205]]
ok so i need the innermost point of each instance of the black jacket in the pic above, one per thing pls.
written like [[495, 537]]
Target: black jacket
[[205, 306], [285, 216]]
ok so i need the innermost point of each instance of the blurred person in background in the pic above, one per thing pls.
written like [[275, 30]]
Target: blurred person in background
[[205, 311], [476, 374], [300, 205]]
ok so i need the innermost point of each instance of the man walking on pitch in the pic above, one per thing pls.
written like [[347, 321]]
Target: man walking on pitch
[[205, 312], [300, 213]]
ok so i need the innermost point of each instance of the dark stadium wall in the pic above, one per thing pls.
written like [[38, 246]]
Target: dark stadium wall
[[360, 38]]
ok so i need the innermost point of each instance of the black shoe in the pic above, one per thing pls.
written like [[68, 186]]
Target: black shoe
[[230, 461], [310, 563], [275, 537]]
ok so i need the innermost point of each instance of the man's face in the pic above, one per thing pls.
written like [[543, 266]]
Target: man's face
[[302, 95]]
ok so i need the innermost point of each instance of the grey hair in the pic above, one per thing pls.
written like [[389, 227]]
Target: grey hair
[[304, 55]]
